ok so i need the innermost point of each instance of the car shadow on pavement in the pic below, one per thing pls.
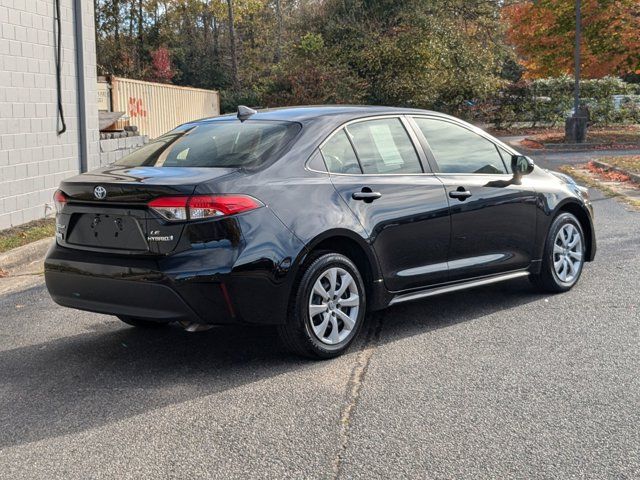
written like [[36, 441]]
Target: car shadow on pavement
[[112, 372], [443, 311]]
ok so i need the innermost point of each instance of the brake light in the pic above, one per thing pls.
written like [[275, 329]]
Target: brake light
[[59, 200], [198, 207]]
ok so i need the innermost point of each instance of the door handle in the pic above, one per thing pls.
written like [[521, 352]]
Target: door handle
[[460, 193], [366, 194]]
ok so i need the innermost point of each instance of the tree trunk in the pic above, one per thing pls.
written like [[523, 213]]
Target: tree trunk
[[216, 41], [132, 11], [115, 12], [252, 36], [232, 47], [278, 54], [140, 37], [206, 25]]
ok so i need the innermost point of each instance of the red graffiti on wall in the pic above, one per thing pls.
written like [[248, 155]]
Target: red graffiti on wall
[[135, 108]]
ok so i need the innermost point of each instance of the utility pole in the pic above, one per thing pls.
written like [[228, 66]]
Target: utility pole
[[576, 55], [575, 128]]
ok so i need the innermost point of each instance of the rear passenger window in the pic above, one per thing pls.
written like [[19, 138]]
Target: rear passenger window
[[316, 162], [383, 146], [339, 156]]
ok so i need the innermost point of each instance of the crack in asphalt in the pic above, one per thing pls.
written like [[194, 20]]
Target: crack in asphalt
[[356, 380]]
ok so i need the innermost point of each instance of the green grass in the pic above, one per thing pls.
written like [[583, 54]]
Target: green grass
[[27, 233], [592, 181], [630, 163]]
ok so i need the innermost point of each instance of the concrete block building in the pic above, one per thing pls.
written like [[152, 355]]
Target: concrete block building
[[35, 154]]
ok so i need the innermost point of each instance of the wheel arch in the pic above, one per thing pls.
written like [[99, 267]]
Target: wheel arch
[[581, 213], [354, 247]]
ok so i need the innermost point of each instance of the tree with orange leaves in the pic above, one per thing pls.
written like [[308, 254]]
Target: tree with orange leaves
[[543, 31]]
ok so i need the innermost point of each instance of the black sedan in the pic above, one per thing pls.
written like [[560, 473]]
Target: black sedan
[[308, 218]]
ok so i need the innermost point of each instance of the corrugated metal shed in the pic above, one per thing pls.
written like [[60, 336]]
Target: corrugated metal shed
[[156, 108]]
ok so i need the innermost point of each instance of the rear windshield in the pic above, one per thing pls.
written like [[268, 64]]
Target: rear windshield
[[215, 144]]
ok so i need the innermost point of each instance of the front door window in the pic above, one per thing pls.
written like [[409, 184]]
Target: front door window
[[459, 150]]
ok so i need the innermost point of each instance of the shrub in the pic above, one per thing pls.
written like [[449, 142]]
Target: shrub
[[230, 99], [550, 101]]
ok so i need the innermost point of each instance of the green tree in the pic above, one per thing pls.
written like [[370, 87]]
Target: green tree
[[422, 54], [435, 54]]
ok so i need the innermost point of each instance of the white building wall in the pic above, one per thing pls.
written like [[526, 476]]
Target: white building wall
[[33, 158]]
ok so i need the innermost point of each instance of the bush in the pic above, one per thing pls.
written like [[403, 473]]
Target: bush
[[550, 101], [309, 74], [230, 99]]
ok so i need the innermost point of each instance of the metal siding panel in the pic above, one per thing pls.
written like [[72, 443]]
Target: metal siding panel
[[157, 108]]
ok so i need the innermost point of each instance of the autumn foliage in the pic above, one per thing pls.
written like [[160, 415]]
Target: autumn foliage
[[161, 65], [609, 175], [543, 35]]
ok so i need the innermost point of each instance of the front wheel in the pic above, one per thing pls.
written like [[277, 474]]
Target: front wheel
[[327, 308], [564, 254]]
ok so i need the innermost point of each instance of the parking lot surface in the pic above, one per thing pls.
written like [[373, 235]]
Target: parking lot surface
[[493, 382]]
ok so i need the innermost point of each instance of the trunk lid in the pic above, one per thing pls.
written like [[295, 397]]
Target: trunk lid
[[106, 209], [136, 185]]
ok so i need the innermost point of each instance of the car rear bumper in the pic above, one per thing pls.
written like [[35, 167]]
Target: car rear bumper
[[169, 289], [148, 300]]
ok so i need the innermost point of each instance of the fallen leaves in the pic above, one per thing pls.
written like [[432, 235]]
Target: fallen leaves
[[587, 176], [532, 144], [608, 175], [619, 137], [629, 163]]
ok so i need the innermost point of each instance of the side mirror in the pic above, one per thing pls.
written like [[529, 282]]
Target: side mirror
[[521, 165]]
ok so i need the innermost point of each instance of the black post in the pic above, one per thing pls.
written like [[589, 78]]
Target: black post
[[575, 127]]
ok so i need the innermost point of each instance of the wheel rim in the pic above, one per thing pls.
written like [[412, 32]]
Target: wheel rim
[[334, 303], [567, 253]]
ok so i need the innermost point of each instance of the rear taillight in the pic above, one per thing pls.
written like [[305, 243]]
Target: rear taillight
[[171, 208], [59, 200], [198, 207]]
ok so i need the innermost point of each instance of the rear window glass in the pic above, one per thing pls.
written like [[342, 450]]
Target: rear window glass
[[383, 146], [215, 144]]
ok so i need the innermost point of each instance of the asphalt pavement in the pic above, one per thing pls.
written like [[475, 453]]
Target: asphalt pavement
[[496, 382]]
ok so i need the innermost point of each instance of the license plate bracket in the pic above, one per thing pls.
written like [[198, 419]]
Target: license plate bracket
[[107, 230]]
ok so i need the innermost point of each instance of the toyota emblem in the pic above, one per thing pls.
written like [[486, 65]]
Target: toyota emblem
[[100, 192]]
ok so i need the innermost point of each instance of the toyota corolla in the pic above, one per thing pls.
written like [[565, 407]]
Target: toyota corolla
[[307, 219]]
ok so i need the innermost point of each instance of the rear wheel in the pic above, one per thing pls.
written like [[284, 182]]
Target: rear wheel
[[564, 254], [327, 309], [140, 323]]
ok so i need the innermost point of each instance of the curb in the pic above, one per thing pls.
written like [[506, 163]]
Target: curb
[[21, 256], [569, 147], [591, 180], [588, 147], [633, 176]]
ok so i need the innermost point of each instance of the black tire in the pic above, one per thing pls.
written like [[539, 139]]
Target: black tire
[[297, 334], [140, 323], [548, 280]]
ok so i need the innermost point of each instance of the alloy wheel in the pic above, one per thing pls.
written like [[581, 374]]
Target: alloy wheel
[[334, 303], [568, 253]]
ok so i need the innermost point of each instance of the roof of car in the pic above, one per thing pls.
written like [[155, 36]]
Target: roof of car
[[305, 113]]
